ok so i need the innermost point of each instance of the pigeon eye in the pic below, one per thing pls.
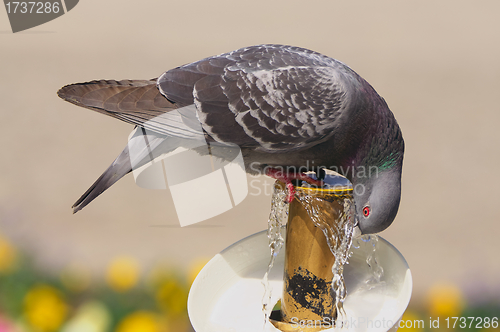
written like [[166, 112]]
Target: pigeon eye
[[366, 211]]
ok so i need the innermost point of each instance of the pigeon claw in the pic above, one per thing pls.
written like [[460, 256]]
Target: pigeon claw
[[287, 177]]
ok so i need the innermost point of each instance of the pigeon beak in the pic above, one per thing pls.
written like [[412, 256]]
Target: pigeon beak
[[356, 232]]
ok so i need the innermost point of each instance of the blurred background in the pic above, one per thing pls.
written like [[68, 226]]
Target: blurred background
[[124, 264]]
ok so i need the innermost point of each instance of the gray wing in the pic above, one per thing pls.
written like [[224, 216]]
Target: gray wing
[[270, 97]]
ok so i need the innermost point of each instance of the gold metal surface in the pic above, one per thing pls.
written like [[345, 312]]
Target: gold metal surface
[[308, 301]]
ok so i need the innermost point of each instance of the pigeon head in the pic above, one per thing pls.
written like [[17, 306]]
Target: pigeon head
[[377, 199]]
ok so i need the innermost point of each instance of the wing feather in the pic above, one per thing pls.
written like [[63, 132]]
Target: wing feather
[[271, 97]]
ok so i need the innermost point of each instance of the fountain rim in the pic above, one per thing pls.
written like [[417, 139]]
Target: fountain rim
[[337, 189]]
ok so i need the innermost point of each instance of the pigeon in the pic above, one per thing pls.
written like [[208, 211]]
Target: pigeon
[[290, 110]]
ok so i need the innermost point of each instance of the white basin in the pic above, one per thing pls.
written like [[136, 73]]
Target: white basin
[[226, 296]]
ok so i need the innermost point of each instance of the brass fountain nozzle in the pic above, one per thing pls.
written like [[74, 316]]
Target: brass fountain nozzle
[[307, 292]]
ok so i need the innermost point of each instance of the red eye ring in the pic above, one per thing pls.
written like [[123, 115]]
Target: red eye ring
[[366, 211]]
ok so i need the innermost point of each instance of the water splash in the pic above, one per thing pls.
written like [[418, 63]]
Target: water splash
[[323, 211], [276, 228], [376, 271]]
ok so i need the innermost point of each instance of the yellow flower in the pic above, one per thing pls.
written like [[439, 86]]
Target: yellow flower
[[445, 300], [44, 308], [172, 297], [140, 321], [7, 255], [122, 274], [91, 316]]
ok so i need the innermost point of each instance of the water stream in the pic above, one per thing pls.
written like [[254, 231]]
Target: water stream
[[338, 234], [276, 228], [376, 271]]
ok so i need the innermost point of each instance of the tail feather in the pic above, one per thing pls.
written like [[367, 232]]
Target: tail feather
[[118, 169], [132, 101]]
